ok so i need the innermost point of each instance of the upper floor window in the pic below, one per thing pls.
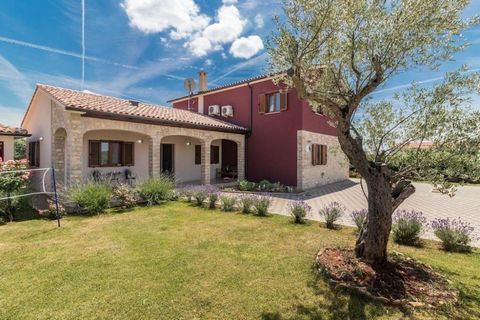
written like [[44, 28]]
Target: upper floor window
[[272, 102], [110, 153]]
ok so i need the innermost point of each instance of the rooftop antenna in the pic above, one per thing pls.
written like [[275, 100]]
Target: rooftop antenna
[[189, 85]]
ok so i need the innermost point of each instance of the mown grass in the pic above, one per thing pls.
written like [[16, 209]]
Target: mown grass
[[180, 262]]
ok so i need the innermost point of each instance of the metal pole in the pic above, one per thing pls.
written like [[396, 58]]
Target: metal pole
[[55, 196]]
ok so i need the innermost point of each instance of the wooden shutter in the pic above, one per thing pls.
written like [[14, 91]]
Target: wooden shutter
[[198, 154], [1, 152], [283, 100], [37, 154], [314, 154], [93, 153], [324, 155], [128, 154], [262, 103]]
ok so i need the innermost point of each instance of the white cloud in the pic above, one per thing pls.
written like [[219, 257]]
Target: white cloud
[[259, 21], [246, 47], [151, 16], [229, 1], [208, 62], [14, 80], [199, 46]]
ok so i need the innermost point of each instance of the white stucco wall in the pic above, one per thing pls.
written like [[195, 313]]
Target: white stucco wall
[[140, 168], [185, 168], [38, 123], [310, 176], [8, 147]]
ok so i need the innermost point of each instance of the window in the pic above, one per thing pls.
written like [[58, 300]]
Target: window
[[34, 153], [214, 154], [110, 153], [198, 154], [272, 102], [1, 152], [319, 154]]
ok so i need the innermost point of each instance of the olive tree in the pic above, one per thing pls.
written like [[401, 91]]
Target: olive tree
[[336, 53]]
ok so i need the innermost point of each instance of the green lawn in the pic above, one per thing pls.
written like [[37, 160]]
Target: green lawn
[[180, 262]]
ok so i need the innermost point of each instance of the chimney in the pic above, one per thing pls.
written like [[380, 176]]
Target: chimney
[[202, 81]]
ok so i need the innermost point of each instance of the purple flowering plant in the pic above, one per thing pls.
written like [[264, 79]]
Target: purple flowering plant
[[358, 217], [455, 234], [246, 203], [407, 227], [331, 213], [261, 204], [299, 210]]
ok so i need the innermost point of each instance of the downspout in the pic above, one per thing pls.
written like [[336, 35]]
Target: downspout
[[250, 130]]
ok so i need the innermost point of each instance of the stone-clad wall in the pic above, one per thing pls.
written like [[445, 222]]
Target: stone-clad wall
[[76, 126], [309, 176]]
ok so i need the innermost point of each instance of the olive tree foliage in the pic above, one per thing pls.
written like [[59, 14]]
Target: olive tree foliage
[[426, 133], [337, 52]]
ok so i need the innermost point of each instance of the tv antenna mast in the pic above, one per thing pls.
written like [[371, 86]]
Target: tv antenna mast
[[189, 85]]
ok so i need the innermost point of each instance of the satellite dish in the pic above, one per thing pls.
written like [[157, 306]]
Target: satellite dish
[[189, 85]]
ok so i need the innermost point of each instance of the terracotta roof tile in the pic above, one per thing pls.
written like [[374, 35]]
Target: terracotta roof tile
[[99, 103], [11, 131]]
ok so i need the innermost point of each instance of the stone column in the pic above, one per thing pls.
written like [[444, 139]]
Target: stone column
[[154, 156], [241, 159], [205, 167], [75, 147]]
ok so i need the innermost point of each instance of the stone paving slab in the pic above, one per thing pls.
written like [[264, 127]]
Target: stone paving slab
[[465, 204]]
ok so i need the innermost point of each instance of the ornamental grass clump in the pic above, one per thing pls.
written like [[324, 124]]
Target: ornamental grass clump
[[91, 197], [407, 227], [331, 213], [228, 203], [455, 235], [358, 217], [261, 204], [246, 204], [156, 190], [299, 210]]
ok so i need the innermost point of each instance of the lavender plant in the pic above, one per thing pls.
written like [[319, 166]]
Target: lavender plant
[[455, 235], [331, 213], [213, 194], [358, 217], [261, 204], [246, 204], [228, 203], [299, 210], [200, 194], [407, 227]]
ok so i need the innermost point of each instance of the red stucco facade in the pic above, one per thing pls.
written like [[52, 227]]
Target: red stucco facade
[[271, 148]]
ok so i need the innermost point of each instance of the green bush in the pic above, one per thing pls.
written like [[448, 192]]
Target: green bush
[[245, 185], [92, 197], [261, 205], [228, 203], [156, 190]]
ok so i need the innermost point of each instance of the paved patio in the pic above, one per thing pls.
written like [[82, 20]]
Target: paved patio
[[465, 204]]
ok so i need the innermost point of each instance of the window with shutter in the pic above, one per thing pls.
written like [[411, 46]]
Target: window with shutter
[[128, 154], [198, 154], [283, 101], [319, 155], [214, 154]]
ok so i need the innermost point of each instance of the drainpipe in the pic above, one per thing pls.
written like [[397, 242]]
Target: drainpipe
[[251, 129]]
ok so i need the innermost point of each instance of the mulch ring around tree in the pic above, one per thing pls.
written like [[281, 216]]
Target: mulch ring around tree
[[401, 281]]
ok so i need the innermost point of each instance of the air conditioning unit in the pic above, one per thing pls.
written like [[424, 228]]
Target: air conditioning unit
[[214, 110], [227, 111]]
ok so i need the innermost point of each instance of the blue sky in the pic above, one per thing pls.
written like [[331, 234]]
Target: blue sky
[[143, 49]]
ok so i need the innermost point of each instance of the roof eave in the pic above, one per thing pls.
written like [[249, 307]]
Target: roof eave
[[146, 120]]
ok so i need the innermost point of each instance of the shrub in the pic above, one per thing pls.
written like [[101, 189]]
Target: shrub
[[187, 193], [331, 213], [407, 227], [125, 196], [265, 185], [261, 204], [156, 190], [245, 185], [92, 197], [212, 193], [456, 235], [358, 217], [200, 194], [299, 210], [12, 184], [51, 212], [227, 203], [246, 204]]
